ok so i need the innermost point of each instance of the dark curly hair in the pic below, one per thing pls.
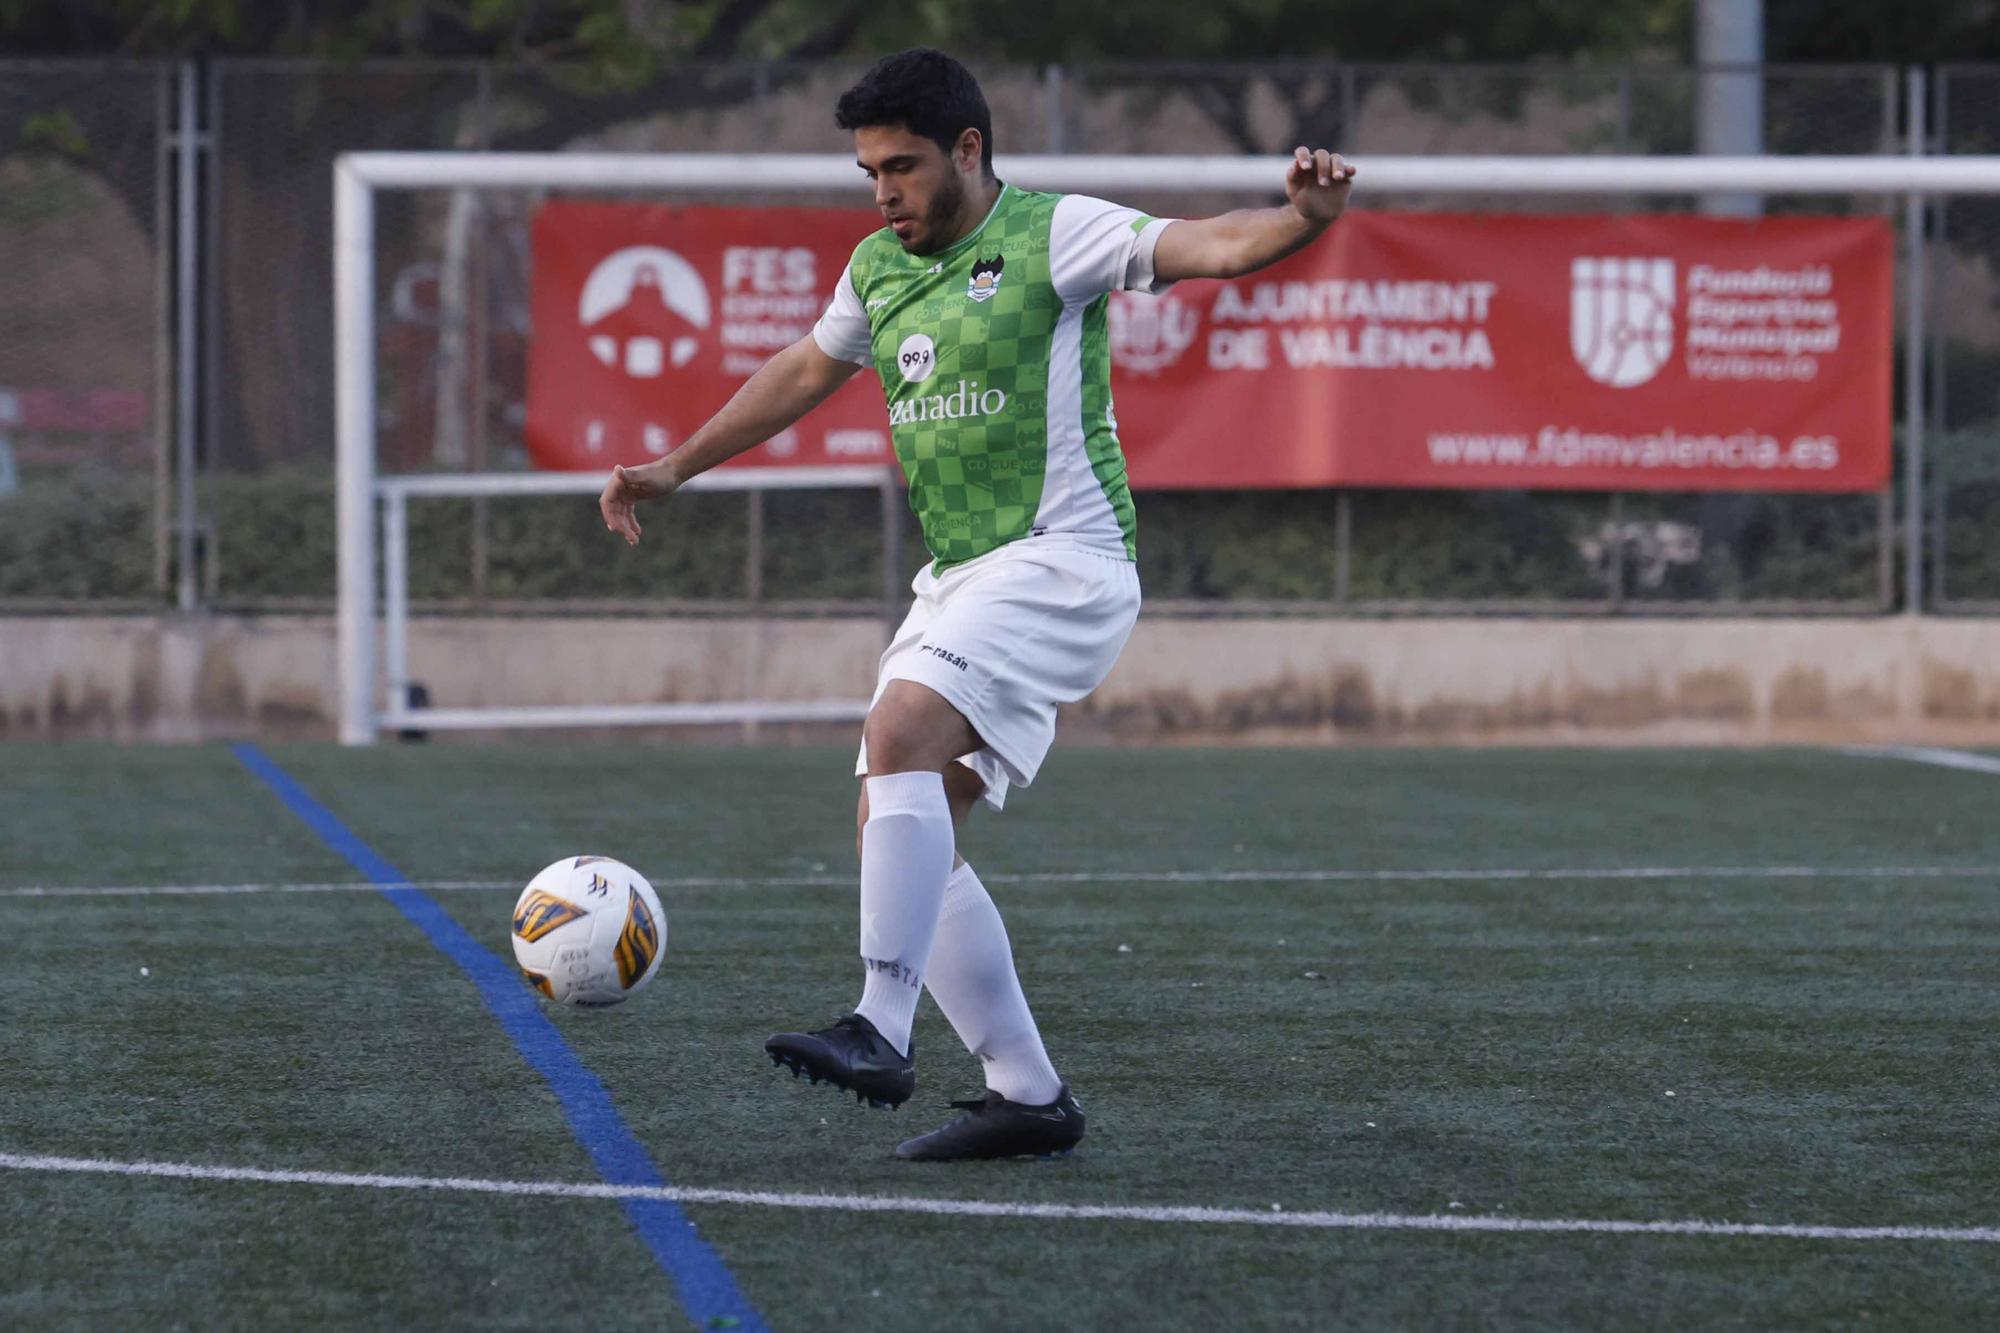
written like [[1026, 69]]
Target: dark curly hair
[[926, 92]]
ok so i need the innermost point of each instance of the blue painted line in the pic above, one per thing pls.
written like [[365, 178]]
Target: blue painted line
[[706, 1288]]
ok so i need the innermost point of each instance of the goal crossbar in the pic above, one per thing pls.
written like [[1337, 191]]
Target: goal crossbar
[[1187, 173], [358, 176]]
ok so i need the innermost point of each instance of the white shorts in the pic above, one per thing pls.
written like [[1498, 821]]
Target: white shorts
[[1008, 636]]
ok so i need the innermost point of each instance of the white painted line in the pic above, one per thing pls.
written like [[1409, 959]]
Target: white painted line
[[212, 890], [1573, 875], [1920, 754], [1054, 1212]]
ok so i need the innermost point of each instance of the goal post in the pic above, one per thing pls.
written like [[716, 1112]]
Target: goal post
[[359, 177]]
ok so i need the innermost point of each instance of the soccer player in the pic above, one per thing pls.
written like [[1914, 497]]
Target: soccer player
[[982, 307]]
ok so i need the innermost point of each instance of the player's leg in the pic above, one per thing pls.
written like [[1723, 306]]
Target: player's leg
[[973, 980], [989, 652], [912, 734], [962, 790], [1027, 1109], [972, 977], [907, 847]]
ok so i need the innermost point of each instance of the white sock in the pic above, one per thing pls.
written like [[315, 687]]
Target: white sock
[[906, 856], [972, 978]]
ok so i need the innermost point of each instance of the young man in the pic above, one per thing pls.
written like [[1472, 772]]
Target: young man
[[983, 309]]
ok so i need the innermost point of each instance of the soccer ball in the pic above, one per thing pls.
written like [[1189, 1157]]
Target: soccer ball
[[589, 931]]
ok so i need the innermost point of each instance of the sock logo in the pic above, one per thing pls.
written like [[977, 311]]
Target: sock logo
[[894, 971]]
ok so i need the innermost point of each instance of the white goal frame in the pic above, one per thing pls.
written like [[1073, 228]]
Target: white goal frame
[[359, 176]]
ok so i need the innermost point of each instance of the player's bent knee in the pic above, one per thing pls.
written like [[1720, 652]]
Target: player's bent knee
[[912, 728], [894, 746]]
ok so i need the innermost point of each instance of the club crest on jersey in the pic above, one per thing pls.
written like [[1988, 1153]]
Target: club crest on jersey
[[541, 912], [985, 279]]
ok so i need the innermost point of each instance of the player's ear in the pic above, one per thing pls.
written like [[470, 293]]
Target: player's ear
[[969, 150]]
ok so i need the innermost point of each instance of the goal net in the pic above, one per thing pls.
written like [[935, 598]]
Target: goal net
[[844, 477]]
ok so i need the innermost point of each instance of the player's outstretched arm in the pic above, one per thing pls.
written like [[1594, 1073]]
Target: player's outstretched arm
[[785, 388], [1316, 187]]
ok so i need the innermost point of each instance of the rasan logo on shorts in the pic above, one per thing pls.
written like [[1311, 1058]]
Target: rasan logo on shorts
[[967, 400], [945, 655]]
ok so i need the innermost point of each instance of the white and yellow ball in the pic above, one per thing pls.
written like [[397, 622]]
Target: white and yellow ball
[[589, 931]]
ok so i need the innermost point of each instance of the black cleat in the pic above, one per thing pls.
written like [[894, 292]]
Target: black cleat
[[996, 1127], [852, 1055]]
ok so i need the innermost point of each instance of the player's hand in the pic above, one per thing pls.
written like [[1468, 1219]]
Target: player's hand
[[1318, 183], [628, 486]]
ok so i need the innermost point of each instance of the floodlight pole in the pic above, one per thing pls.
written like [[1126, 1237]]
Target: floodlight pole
[[354, 447]]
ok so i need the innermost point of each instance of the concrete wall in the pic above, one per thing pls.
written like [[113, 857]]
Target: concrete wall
[[1550, 680]]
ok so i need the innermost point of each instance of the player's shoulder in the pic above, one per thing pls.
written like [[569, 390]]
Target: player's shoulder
[[1086, 215], [1020, 221], [874, 250], [1033, 200], [1088, 205]]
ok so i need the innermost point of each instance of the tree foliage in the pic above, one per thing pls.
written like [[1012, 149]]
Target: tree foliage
[[629, 41], [625, 41]]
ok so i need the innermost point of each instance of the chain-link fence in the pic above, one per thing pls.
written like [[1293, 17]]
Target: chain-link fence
[[85, 380], [453, 281], [1963, 486]]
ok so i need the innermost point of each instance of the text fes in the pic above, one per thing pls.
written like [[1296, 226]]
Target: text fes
[[768, 269]]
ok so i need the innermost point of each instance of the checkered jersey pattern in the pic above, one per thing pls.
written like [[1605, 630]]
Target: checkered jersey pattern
[[972, 432]]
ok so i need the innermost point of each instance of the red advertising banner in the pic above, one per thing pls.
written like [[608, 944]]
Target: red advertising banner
[[647, 319], [1453, 351], [1475, 351]]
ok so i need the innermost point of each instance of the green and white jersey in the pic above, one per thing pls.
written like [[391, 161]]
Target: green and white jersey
[[997, 367]]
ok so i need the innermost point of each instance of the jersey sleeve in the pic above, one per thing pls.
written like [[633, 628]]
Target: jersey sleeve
[[1097, 247], [842, 332]]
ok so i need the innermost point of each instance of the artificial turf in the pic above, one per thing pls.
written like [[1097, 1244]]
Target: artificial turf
[[1483, 1045]]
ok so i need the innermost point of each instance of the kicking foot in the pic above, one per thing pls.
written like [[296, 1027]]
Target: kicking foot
[[852, 1055], [996, 1127]]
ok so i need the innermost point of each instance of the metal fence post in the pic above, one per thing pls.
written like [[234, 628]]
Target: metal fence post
[[1889, 90], [1614, 562], [1885, 546], [1053, 106], [1624, 108], [477, 333], [163, 333], [187, 381], [211, 324], [753, 549], [1343, 543], [1939, 127], [1913, 363]]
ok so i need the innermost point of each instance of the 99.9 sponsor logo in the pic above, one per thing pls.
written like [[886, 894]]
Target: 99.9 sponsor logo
[[917, 357]]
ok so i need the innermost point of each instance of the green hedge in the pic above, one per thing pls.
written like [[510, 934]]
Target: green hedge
[[88, 536], [1969, 504]]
